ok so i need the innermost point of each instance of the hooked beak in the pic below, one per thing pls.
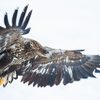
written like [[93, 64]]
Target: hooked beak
[[49, 56]]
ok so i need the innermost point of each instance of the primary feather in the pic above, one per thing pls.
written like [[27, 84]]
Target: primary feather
[[37, 64]]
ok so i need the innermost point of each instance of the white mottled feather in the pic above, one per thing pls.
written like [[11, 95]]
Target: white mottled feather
[[67, 59], [5, 80], [1, 37], [10, 77], [26, 41], [14, 74], [70, 71], [1, 56]]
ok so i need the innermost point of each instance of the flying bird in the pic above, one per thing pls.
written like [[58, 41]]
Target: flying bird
[[39, 65]]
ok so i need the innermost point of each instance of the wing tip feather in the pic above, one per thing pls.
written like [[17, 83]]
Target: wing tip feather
[[21, 25]]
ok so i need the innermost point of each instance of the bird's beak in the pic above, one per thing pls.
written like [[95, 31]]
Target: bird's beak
[[49, 56], [1, 80]]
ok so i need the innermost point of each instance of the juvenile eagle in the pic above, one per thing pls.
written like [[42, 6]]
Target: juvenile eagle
[[37, 64]]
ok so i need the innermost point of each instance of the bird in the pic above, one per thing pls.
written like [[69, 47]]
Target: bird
[[39, 65]]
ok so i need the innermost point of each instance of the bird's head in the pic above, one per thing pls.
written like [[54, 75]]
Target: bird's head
[[44, 53], [40, 50]]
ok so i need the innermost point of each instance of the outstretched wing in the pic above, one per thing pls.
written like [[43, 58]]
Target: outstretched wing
[[11, 34], [66, 65]]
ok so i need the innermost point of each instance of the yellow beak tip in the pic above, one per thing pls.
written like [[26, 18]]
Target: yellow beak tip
[[1, 80]]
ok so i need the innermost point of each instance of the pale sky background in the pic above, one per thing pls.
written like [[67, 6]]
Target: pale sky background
[[65, 24]]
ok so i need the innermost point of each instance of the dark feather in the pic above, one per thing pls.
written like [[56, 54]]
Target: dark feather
[[97, 71], [6, 21], [22, 16], [14, 18], [66, 77], [26, 20], [82, 71], [78, 72], [2, 28]]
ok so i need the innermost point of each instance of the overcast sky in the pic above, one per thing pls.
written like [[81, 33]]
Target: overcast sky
[[64, 24]]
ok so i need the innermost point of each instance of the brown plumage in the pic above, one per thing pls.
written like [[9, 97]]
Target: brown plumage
[[37, 64]]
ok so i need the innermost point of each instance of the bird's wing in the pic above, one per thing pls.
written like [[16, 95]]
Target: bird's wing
[[11, 34], [66, 65]]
